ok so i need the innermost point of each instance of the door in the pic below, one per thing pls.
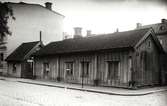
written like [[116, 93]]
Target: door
[[113, 67], [85, 71], [46, 70], [69, 71]]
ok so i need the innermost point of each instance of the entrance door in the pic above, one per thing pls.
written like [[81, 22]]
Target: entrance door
[[85, 72], [69, 72], [113, 72], [45, 70]]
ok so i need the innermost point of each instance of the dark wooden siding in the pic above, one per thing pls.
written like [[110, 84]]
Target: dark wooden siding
[[98, 68], [146, 63]]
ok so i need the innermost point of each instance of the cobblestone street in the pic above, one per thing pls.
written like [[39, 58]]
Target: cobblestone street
[[22, 94]]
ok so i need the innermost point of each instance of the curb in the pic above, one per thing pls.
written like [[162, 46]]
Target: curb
[[89, 90]]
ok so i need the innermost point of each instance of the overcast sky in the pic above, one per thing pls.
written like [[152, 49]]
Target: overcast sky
[[104, 16]]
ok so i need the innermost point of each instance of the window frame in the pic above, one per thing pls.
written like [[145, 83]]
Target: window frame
[[149, 44], [115, 72], [70, 71]]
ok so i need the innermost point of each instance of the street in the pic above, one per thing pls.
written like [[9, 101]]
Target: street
[[14, 93]]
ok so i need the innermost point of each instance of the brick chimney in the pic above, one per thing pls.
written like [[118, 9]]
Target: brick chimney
[[163, 20], [88, 33], [77, 32], [48, 5], [138, 25]]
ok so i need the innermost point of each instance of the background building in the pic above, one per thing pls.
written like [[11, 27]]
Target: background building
[[30, 20]]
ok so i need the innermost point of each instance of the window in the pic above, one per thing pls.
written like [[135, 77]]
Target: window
[[113, 69], [69, 68], [149, 44], [85, 69], [14, 67], [2, 56]]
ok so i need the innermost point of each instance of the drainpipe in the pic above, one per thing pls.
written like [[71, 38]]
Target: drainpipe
[[82, 78]]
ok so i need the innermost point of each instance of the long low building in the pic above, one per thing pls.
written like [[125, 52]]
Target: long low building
[[121, 59]]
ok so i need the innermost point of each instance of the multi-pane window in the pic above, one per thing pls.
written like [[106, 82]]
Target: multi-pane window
[[85, 69], [113, 69], [69, 68]]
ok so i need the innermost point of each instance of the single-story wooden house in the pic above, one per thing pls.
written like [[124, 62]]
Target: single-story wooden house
[[20, 62], [121, 59]]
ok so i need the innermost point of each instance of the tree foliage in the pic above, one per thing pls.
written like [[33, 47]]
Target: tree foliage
[[5, 13]]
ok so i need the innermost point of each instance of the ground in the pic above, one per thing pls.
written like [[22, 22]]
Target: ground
[[14, 93]]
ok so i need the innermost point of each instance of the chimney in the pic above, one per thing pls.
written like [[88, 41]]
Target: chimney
[[40, 36], [77, 32], [48, 5], [117, 30], [138, 25], [88, 33], [163, 20]]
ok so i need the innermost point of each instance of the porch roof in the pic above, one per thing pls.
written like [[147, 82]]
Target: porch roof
[[20, 52]]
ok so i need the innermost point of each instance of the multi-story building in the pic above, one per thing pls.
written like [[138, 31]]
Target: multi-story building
[[30, 20]]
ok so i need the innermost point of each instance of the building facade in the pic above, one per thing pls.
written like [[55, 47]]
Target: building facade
[[31, 19], [122, 59], [160, 30]]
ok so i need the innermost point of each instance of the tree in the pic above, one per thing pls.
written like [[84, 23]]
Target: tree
[[5, 13]]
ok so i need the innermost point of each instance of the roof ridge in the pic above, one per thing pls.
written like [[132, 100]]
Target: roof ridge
[[100, 35], [30, 42]]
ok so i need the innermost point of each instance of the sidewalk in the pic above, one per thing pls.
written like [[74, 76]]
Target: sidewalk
[[103, 90]]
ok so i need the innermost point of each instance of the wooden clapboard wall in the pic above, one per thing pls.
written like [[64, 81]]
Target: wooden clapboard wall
[[146, 63]]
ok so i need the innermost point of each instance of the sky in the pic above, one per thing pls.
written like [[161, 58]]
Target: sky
[[105, 16]]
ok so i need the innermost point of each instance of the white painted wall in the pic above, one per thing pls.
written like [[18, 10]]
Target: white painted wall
[[30, 19]]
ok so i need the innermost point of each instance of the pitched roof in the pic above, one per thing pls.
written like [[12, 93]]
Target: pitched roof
[[157, 28], [126, 39], [20, 52]]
